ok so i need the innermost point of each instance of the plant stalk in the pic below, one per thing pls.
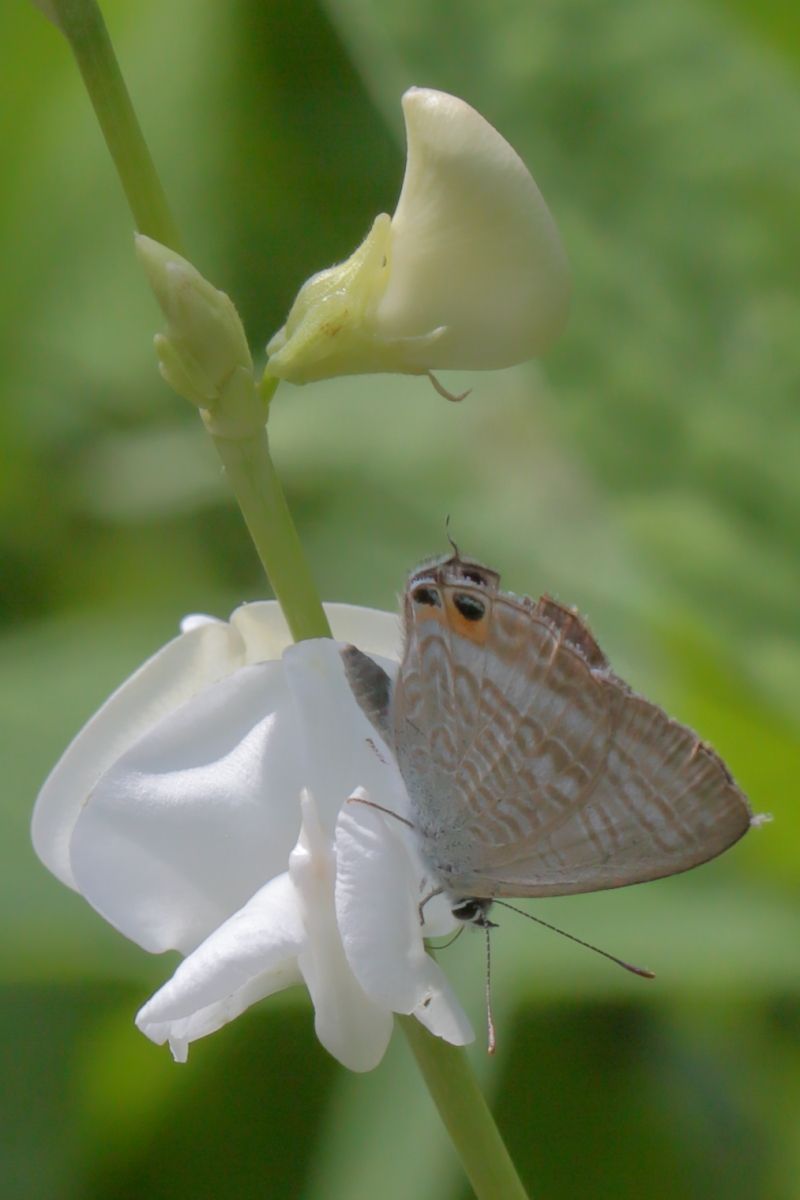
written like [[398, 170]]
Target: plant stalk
[[251, 473], [82, 24], [465, 1114]]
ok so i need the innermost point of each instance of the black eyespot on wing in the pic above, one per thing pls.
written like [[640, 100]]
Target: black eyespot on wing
[[470, 607], [427, 595]]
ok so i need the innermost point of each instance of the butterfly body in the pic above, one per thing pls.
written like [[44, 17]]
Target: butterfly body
[[530, 767]]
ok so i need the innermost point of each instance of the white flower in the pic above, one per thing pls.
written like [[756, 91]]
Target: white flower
[[204, 809], [469, 273]]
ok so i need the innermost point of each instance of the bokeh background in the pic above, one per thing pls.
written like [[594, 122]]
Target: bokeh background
[[648, 472]]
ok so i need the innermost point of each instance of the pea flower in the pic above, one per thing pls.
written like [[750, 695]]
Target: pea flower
[[469, 273], [211, 806]]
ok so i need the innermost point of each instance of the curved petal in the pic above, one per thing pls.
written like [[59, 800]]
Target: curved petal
[[375, 632], [340, 749], [378, 916], [470, 271], [442, 1015], [475, 253], [181, 1032], [193, 819], [252, 955], [197, 621], [262, 626], [206, 652], [350, 1025]]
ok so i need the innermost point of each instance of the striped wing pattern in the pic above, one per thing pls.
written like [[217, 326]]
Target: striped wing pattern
[[533, 770]]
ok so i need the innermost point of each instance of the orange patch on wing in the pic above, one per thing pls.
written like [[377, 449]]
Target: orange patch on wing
[[421, 614], [475, 632]]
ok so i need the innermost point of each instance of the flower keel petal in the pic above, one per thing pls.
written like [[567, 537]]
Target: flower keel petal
[[378, 914], [250, 956], [350, 1025]]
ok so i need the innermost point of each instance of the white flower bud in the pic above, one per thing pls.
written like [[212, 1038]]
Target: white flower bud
[[469, 273]]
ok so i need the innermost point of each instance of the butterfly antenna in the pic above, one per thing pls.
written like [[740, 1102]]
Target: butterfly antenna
[[641, 971], [450, 538], [491, 1043]]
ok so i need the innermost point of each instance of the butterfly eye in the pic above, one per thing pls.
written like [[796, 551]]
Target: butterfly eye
[[470, 607], [429, 596], [474, 577], [472, 909]]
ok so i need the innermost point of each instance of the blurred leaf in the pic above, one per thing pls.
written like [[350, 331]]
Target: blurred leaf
[[648, 473], [776, 21], [135, 476]]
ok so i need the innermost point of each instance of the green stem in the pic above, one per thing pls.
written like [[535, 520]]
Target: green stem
[[246, 460], [465, 1114], [82, 24], [252, 476]]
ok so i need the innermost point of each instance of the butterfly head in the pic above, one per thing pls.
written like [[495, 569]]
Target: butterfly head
[[453, 592], [473, 910]]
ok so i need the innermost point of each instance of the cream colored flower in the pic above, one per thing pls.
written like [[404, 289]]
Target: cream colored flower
[[469, 273]]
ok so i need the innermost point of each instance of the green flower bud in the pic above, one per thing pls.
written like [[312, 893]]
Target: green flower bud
[[204, 353]]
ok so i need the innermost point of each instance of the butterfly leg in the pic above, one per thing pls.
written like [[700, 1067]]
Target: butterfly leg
[[436, 892], [381, 808]]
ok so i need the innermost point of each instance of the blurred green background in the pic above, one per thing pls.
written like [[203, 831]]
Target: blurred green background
[[649, 472]]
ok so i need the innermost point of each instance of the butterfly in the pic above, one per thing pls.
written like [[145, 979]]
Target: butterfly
[[531, 768]]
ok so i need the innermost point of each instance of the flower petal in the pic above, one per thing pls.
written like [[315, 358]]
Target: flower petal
[[191, 821], [206, 652], [351, 1026], [474, 251], [378, 915], [470, 271], [263, 628], [340, 749], [251, 955], [375, 632]]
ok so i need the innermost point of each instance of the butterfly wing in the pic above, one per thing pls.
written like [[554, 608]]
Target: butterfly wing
[[485, 714], [663, 803], [533, 770]]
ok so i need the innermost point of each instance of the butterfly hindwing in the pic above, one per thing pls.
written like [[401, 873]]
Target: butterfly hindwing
[[532, 769], [663, 803]]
